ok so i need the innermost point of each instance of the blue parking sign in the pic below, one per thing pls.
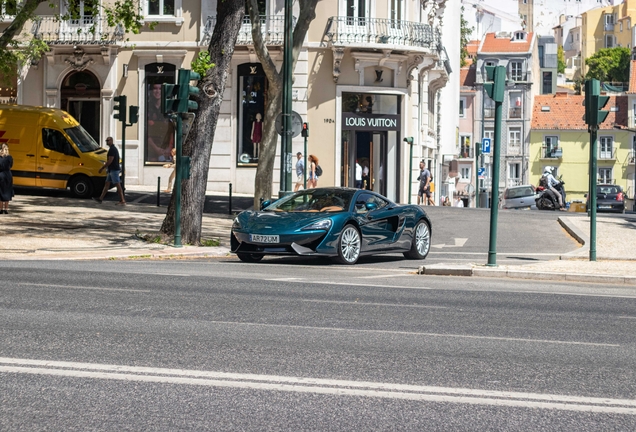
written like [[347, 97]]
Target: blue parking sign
[[485, 145], [481, 172]]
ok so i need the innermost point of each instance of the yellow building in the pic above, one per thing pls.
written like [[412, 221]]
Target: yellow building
[[559, 138], [606, 27]]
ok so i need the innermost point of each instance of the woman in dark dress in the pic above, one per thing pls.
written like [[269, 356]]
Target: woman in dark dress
[[6, 179]]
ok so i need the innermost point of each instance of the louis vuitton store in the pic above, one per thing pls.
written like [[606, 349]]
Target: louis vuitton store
[[371, 135]]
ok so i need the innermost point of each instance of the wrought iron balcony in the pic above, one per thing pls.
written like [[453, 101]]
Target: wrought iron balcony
[[631, 158], [85, 30], [341, 30], [514, 112], [550, 152], [272, 27]]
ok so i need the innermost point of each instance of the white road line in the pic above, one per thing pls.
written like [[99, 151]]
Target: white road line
[[319, 386], [628, 317], [82, 287], [380, 276], [361, 303]]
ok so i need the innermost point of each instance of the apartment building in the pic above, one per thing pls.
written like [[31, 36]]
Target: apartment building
[[371, 73], [518, 53]]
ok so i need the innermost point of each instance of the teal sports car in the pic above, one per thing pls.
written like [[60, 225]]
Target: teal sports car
[[342, 223]]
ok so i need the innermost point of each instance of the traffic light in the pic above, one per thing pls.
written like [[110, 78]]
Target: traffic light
[[120, 108], [495, 83], [305, 131], [594, 103], [133, 114], [169, 101], [185, 90]]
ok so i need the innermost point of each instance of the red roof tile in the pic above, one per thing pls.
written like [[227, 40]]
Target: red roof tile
[[567, 111], [472, 47], [492, 44]]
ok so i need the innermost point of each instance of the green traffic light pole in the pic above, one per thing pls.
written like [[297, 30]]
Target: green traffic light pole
[[592, 193], [409, 140], [496, 90]]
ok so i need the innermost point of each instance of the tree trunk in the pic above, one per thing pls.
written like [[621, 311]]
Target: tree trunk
[[263, 182], [201, 137]]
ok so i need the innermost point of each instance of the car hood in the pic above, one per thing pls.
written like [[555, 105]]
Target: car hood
[[269, 221]]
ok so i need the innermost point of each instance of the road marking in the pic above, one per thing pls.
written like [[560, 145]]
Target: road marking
[[459, 242], [380, 276], [628, 317], [361, 303], [318, 386], [82, 287]]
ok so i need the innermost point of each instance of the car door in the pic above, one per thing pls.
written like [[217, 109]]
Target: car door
[[378, 225], [56, 158]]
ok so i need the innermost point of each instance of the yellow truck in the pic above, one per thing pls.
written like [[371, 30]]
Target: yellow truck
[[51, 150]]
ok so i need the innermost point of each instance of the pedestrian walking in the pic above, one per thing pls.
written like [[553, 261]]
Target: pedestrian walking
[[113, 170], [172, 165], [358, 175], [424, 195], [300, 172], [6, 179], [313, 174]]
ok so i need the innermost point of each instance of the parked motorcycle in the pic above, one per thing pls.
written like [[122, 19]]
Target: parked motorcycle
[[547, 199]]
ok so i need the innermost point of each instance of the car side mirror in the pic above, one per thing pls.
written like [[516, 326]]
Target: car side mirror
[[370, 206], [265, 204]]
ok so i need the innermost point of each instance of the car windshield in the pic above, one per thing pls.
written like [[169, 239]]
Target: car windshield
[[314, 200], [84, 142]]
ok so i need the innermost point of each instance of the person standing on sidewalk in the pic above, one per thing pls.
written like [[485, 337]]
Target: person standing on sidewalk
[[424, 193], [6, 179], [113, 171], [300, 172]]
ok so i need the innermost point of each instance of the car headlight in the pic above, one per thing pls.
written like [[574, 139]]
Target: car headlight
[[323, 224], [236, 224]]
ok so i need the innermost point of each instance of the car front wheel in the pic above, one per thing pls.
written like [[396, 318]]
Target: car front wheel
[[421, 242], [249, 258], [349, 245]]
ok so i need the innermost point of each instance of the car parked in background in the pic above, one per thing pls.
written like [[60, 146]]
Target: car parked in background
[[518, 197], [609, 198]]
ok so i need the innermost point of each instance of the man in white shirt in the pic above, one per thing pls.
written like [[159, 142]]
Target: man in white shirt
[[358, 175], [300, 172]]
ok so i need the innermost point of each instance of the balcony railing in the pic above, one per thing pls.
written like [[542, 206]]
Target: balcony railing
[[489, 113], [465, 152], [607, 154], [86, 30], [514, 112], [342, 30], [272, 28], [512, 182], [631, 158], [551, 152]]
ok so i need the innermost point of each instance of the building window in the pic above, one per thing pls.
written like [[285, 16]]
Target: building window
[[462, 107], [609, 41], [605, 147], [520, 36], [490, 133], [516, 73], [550, 146], [604, 176], [161, 7], [609, 22], [489, 107], [465, 149], [514, 105], [159, 131], [514, 137], [547, 83], [356, 12], [514, 174], [251, 98], [465, 173]]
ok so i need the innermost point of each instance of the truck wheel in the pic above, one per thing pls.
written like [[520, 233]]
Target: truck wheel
[[81, 187]]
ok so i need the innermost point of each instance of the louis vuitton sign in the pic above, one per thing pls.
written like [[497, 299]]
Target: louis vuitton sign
[[370, 122]]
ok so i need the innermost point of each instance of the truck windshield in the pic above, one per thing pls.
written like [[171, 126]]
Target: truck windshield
[[84, 142]]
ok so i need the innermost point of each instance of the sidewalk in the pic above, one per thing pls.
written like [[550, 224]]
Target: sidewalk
[[61, 228]]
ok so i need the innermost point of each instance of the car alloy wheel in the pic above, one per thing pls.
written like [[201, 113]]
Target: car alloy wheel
[[421, 242], [349, 245]]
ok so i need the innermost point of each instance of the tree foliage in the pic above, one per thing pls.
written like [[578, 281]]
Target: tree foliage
[[465, 33], [609, 65], [560, 60]]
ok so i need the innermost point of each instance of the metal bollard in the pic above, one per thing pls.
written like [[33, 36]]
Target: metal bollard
[[230, 203], [158, 191]]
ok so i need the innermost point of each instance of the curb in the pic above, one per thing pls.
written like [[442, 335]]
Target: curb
[[465, 270]]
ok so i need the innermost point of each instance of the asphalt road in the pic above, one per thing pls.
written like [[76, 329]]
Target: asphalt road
[[223, 345]]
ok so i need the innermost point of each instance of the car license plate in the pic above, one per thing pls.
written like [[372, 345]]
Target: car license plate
[[259, 238]]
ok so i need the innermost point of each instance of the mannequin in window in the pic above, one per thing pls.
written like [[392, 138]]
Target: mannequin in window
[[257, 133]]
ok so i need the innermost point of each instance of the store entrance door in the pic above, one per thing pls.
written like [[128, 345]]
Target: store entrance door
[[370, 150]]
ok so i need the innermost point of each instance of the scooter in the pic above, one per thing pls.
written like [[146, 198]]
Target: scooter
[[547, 199]]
